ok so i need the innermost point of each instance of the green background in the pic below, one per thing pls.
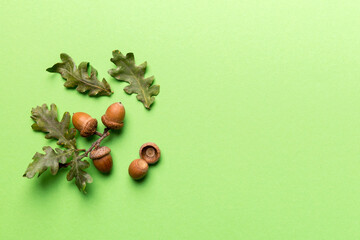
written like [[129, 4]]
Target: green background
[[257, 119]]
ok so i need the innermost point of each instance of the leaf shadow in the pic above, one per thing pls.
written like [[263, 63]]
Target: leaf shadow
[[47, 183], [54, 76], [47, 180], [151, 106], [50, 141]]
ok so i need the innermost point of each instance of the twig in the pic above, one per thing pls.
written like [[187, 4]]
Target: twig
[[98, 133], [97, 142]]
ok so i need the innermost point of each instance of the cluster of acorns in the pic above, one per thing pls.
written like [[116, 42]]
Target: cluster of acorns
[[86, 125], [114, 119]]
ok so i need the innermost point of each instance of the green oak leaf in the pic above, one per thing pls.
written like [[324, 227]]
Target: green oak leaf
[[50, 159], [47, 121], [127, 71], [77, 172], [79, 77]]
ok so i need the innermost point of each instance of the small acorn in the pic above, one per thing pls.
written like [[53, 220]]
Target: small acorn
[[102, 159], [84, 123], [138, 169], [114, 116], [150, 152]]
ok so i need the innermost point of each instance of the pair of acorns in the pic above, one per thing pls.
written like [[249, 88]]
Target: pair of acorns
[[149, 154], [86, 125]]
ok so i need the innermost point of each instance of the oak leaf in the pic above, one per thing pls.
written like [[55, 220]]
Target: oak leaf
[[127, 71], [50, 159], [47, 121], [79, 77], [77, 172]]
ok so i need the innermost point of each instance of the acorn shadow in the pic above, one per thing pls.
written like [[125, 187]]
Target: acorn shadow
[[103, 174], [114, 133], [140, 181], [158, 163], [90, 139]]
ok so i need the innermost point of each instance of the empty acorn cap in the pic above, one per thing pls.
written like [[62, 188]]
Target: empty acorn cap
[[99, 152], [150, 152]]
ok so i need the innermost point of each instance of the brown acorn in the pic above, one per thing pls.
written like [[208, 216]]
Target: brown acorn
[[114, 116], [84, 123], [150, 152], [102, 159], [138, 169]]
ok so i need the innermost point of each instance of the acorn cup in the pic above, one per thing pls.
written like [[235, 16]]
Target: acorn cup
[[150, 152], [114, 116], [84, 123], [102, 159]]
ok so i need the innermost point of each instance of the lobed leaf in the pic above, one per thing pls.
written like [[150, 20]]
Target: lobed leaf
[[79, 78], [50, 159], [127, 71], [77, 172], [47, 121]]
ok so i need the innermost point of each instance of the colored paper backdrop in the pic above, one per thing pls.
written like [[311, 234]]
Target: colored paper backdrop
[[258, 119]]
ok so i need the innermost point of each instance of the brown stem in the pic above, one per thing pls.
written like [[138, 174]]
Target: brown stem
[[97, 142], [98, 133]]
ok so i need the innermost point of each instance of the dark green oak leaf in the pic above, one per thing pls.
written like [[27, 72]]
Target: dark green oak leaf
[[127, 71], [47, 121], [79, 77], [50, 159], [77, 172]]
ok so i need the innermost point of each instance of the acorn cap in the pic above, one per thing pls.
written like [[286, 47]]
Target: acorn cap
[[84, 123], [99, 152], [90, 128], [110, 124], [150, 152], [138, 169]]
